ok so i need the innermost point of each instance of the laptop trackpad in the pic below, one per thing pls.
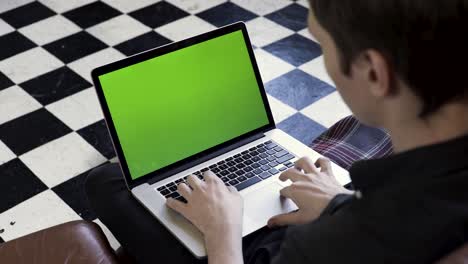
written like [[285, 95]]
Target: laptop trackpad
[[261, 204]]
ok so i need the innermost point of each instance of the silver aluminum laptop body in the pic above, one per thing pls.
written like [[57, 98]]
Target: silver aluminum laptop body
[[261, 200]]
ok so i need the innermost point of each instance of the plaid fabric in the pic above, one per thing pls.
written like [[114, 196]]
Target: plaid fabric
[[348, 141]]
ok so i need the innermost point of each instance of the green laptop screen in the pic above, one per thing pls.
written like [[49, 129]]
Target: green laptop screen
[[171, 107]]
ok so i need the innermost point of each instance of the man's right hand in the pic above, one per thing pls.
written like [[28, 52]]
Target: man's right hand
[[312, 189]]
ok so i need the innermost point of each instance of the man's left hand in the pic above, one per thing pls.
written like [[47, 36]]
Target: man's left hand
[[216, 210]]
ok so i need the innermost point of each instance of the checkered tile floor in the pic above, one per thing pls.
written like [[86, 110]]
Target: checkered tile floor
[[51, 127]]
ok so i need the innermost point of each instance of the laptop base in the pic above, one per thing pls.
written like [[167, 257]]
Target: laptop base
[[261, 200]]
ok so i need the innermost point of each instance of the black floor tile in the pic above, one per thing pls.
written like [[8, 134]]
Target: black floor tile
[[75, 46], [295, 49], [293, 17], [27, 14], [18, 184], [98, 136], [142, 43], [32, 130], [226, 13], [5, 82], [302, 128], [158, 14], [298, 89], [14, 43], [91, 14], [73, 193], [55, 85]]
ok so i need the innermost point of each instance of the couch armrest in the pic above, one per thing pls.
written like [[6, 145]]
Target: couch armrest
[[74, 242], [348, 141]]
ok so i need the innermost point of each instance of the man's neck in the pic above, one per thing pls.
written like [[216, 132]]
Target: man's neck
[[449, 122]]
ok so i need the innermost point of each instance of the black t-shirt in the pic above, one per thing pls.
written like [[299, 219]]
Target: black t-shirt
[[413, 208]]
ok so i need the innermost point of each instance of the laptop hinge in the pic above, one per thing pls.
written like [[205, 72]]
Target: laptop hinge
[[207, 157]]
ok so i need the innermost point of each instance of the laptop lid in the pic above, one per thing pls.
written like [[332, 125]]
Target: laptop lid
[[176, 106]]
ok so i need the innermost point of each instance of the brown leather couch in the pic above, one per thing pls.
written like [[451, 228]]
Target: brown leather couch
[[83, 242], [76, 242]]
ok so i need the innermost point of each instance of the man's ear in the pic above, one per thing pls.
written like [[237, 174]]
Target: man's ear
[[376, 71]]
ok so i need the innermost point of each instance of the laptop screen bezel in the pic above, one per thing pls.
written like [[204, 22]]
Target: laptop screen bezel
[[198, 158]]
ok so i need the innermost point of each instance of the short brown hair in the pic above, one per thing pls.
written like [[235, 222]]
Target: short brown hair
[[425, 41]]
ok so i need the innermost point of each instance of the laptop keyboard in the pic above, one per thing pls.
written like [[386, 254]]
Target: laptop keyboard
[[243, 169]]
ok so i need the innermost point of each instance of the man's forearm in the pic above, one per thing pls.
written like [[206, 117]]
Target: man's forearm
[[225, 251], [337, 202]]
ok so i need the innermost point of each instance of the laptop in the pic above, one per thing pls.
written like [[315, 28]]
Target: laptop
[[192, 106]]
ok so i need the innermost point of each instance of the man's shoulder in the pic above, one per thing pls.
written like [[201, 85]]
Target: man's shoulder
[[333, 239], [384, 227]]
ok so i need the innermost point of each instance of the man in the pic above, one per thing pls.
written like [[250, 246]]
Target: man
[[395, 63]]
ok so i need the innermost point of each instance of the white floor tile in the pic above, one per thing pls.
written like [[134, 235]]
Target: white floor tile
[[5, 153], [85, 65], [62, 159], [50, 29], [271, 66], [5, 28], [195, 6], [184, 28], [263, 31], [128, 6], [304, 3], [29, 64], [110, 237], [262, 7], [79, 110], [317, 69], [280, 110], [305, 33], [328, 110], [118, 29], [39, 212], [6, 5], [61, 6], [15, 102]]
